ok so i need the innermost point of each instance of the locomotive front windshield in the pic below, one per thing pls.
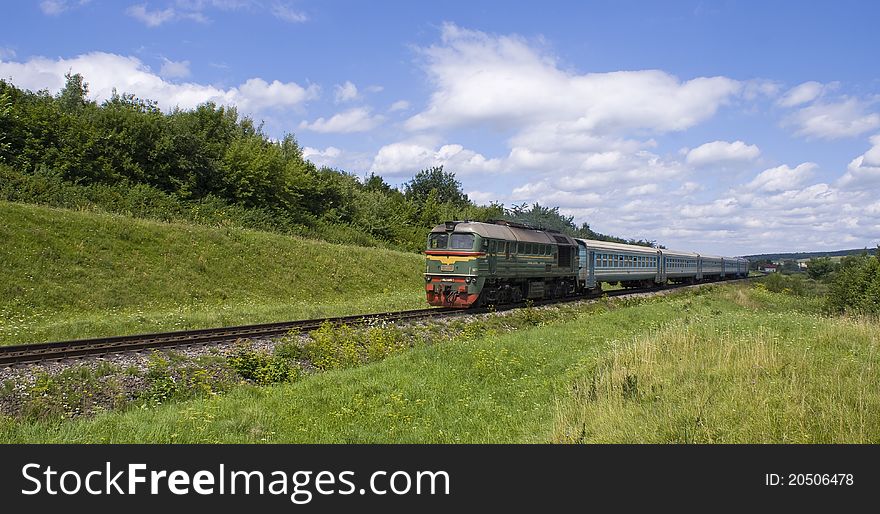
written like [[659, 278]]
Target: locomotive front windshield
[[461, 242], [436, 241]]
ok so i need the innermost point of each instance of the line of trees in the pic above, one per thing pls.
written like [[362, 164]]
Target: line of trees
[[125, 154]]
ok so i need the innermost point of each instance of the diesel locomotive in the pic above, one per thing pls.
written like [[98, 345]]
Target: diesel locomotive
[[469, 263]]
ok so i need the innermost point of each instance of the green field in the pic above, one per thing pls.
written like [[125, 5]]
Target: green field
[[724, 364], [68, 274]]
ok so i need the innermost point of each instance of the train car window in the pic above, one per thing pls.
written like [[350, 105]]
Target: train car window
[[461, 242], [531, 250], [521, 248], [492, 246], [437, 241], [506, 250]]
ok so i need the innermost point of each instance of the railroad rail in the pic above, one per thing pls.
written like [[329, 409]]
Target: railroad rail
[[17, 355]]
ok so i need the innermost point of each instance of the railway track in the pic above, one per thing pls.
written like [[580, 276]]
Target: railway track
[[18, 355]]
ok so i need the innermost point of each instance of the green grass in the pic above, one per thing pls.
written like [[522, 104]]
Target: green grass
[[69, 274], [781, 377], [736, 363]]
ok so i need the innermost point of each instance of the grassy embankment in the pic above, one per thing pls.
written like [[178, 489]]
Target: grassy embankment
[[68, 274], [735, 363]]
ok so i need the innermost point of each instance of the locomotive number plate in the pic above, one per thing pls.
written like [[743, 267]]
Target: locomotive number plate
[[447, 267]]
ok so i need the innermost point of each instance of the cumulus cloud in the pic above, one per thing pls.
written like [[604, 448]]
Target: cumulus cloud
[[782, 178], [480, 78], [325, 157], [358, 119], [864, 170], [333, 157], [400, 105], [722, 152], [106, 72], [585, 142], [174, 69], [407, 158], [346, 92], [833, 120], [806, 92]]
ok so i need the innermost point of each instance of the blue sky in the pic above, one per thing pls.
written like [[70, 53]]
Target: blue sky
[[729, 127]]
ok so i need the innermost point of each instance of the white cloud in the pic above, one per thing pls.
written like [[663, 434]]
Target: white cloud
[[151, 18], [782, 178], [722, 152], [174, 69], [806, 92], [689, 187], [833, 120], [400, 105], [193, 10], [285, 12], [333, 157], [864, 170], [346, 92], [583, 141], [6, 53], [756, 88], [105, 72], [407, 158], [358, 119], [325, 157], [503, 80], [644, 189], [56, 7]]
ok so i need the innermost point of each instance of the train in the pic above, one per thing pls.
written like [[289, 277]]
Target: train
[[472, 263]]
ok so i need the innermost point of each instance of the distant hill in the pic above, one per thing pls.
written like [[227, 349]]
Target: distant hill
[[806, 255]]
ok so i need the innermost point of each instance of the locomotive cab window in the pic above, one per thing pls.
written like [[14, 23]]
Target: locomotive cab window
[[461, 242], [437, 241]]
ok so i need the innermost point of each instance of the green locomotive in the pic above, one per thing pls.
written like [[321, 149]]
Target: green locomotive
[[470, 263]]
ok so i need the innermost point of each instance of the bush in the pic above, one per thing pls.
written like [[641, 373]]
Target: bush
[[791, 284], [341, 346], [260, 367], [856, 286], [169, 379]]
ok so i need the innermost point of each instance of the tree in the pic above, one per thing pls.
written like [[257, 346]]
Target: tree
[[448, 190], [856, 285], [821, 267], [73, 96]]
